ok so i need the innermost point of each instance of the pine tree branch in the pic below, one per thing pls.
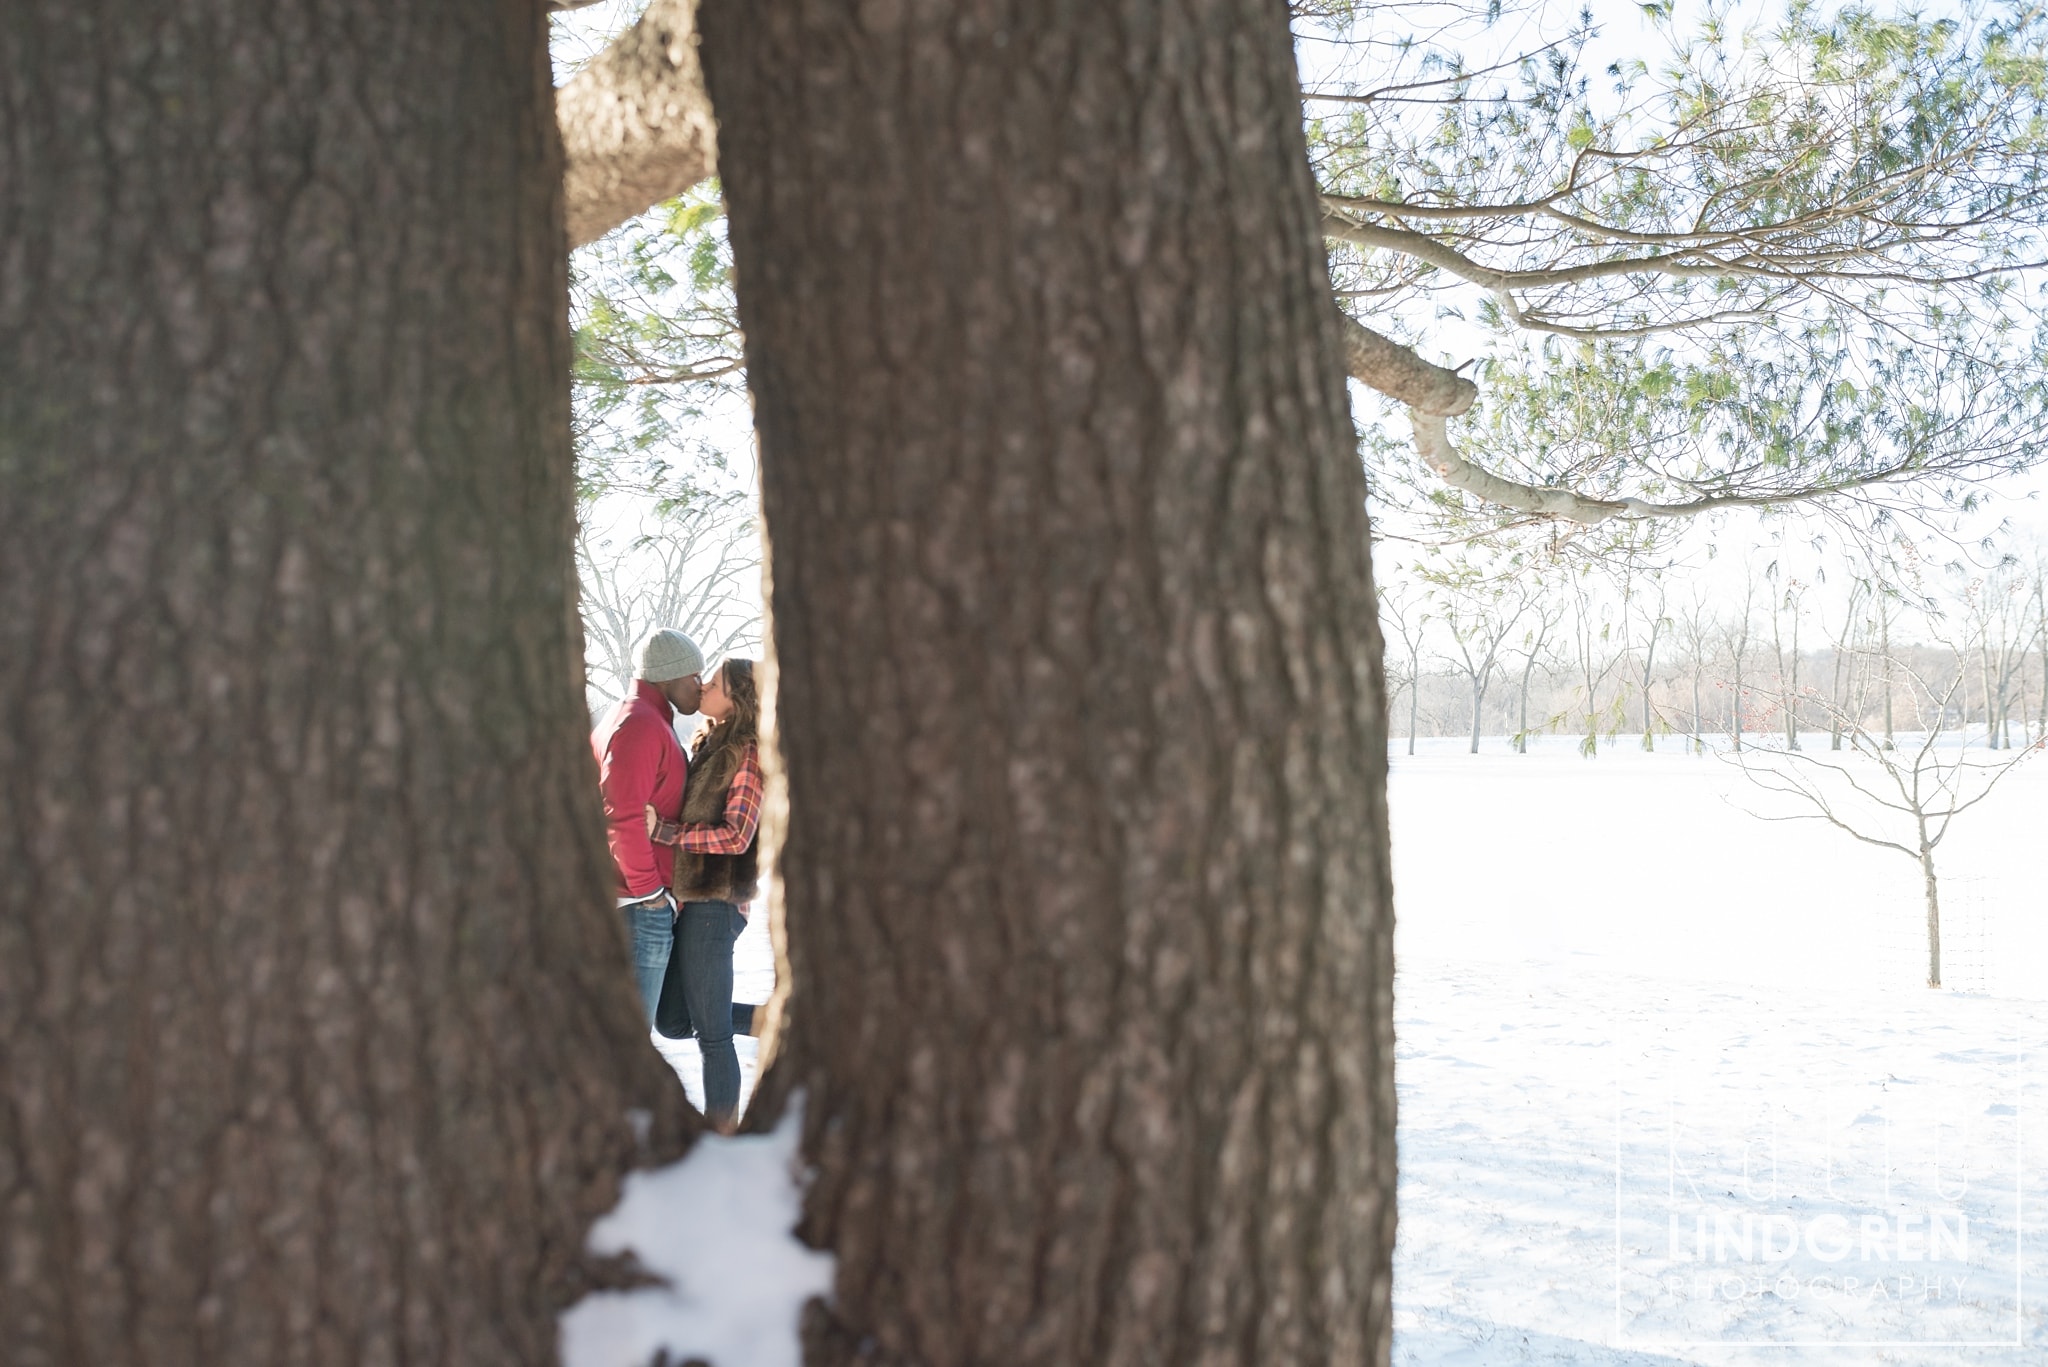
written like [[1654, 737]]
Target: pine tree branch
[[1433, 443]]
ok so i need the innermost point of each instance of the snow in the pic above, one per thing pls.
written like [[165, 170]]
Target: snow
[[1649, 863], [1629, 1015], [717, 1226]]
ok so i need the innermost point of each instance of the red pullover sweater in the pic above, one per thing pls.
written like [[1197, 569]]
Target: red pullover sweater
[[639, 762]]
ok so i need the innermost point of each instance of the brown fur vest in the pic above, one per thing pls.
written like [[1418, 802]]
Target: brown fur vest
[[715, 877]]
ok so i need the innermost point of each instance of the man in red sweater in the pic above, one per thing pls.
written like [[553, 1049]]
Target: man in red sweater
[[640, 764]]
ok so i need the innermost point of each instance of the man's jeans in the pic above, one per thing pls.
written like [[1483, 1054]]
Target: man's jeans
[[696, 998], [651, 928]]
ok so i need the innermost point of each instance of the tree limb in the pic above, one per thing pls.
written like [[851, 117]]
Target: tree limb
[[1433, 442], [1445, 257], [636, 123], [1384, 365]]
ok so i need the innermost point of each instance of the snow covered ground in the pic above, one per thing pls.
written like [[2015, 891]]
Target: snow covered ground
[[1671, 1093], [1670, 1089]]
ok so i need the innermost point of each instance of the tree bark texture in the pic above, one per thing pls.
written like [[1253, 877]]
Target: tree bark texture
[[636, 123], [1085, 885], [316, 1040]]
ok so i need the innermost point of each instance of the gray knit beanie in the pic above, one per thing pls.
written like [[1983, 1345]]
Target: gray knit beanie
[[667, 654]]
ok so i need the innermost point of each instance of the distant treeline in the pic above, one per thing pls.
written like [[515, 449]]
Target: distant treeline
[[1507, 656]]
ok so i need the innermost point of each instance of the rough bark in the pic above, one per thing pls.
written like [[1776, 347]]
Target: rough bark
[[1085, 884], [1384, 365], [636, 124], [316, 1042]]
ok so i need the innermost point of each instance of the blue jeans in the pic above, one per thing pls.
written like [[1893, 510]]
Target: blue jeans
[[651, 928], [696, 998]]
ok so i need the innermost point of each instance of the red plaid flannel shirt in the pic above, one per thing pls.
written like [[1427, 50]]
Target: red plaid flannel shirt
[[742, 816]]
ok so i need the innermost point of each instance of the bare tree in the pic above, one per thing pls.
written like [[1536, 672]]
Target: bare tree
[[1546, 610], [1896, 798], [1478, 611], [1735, 638], [1405, 608], [2026, 633], [1884, 602], [1700, 630], [1897, 579], [1786, 607], [1654, 624], [1592, 620], [2000, 619], [2040, 590], [1843, 686], [694, 565]]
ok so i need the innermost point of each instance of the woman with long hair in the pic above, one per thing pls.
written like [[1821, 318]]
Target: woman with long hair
[[717, 872]]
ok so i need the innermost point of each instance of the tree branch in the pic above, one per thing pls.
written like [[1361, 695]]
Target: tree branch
[[636, 123], [1445, 257], [1384, 365], [1433, 442]]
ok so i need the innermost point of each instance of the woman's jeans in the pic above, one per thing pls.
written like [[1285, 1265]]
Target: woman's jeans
[[651, 928], [696, 998]]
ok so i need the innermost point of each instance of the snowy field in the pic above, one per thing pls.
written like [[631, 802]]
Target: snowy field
[[1670, 1089]]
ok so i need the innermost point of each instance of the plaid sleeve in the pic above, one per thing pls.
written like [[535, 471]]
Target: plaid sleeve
[[742, 814]]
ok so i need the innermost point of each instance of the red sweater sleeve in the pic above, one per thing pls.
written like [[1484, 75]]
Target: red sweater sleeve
[[626, 775]]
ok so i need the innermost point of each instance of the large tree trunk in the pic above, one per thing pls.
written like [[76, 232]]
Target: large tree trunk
[[316, 1040], [1085, 881]]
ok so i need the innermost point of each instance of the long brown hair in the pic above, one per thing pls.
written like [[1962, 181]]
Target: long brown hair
[[715, 755]]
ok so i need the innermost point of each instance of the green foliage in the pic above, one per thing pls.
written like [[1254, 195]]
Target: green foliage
[[1760, 264], [659, 386]]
